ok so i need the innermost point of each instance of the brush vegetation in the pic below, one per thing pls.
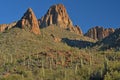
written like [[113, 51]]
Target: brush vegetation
[[26, 56]]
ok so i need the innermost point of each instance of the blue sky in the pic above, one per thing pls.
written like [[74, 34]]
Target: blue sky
[[85, 13]]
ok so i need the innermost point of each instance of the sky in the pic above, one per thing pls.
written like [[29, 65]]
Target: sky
[[85, 13]]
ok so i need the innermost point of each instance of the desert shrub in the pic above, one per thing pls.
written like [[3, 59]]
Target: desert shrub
[[13, 77], [112, 75]]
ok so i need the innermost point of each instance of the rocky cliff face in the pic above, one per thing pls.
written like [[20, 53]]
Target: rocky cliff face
[[29, 22], [98, 33], [112, 41], [4, 27], [57, 15]]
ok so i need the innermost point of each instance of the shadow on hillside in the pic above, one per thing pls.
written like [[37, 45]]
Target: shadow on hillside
[[77, 43]]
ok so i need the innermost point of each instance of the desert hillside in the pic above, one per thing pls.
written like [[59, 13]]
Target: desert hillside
[[53, 48]]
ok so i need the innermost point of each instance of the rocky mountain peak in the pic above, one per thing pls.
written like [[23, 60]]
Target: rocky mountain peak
[[29, 22], [56, 14], [30, 10], [29, 13], [98, 32]]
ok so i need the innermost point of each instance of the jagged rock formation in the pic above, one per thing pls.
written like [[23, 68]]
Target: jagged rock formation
[[76, 29], [4, 27], [98, 33], [111, 41], [29, 22], [57, 15]]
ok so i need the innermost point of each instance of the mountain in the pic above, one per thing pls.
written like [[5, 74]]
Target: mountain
[[112, 41], [98, 32], [19, 38], [57, 15], [52, 48], [29, 22]]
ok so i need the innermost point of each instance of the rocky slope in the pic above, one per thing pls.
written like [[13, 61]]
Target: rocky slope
[[57, 15], [98, 33], [29, 22]]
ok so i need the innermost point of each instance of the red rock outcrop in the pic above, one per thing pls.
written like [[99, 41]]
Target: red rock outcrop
[[57, 15], [98, 33], [29, 22], [4, 27], [110, 42]]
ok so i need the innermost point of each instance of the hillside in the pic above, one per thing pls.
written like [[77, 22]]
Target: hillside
[[25, 55], [18, 40], [18, 45]]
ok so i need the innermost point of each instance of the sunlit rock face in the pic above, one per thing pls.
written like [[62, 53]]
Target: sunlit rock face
[[98, 33], [4, 27], [29, 22], [57, 15]]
